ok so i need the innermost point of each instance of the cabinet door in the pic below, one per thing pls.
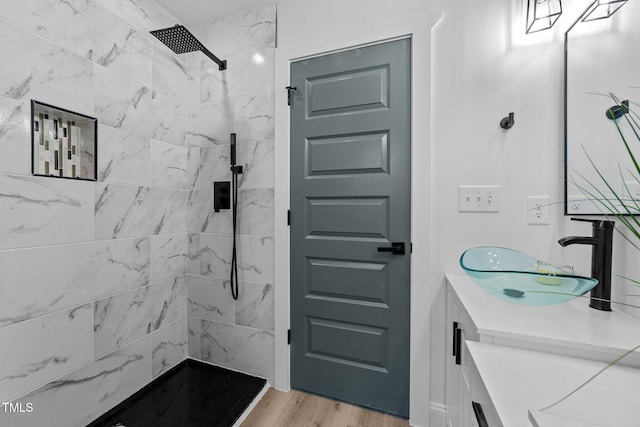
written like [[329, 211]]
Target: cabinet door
[[484, 414], [464, 383], [452, 370]]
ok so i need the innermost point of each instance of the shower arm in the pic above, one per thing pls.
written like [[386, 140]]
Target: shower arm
[[222, 63]]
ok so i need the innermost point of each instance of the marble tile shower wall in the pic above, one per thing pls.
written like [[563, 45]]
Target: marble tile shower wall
[[235, 334], [93, 292]]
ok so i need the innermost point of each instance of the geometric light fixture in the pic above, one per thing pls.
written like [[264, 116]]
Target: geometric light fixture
[[602, 9], [542, 14]]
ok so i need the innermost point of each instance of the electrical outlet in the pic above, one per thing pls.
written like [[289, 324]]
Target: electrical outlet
[[479, 198], [581, 204], [538, 210]]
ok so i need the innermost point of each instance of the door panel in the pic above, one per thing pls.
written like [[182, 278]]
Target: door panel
[[348, 216], [348, 92], [350, 195], [348, 154]]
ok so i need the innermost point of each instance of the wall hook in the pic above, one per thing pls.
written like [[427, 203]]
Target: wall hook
[[507, 122]]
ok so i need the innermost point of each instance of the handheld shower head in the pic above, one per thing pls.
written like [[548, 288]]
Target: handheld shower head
[[180, 40], [232, 141]]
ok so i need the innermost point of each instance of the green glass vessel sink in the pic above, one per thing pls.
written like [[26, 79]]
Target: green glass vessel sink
[[517, 277]]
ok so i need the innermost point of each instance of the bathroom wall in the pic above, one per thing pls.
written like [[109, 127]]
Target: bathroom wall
[[483, 66], [497, 69], [92, 283], [235, 334]]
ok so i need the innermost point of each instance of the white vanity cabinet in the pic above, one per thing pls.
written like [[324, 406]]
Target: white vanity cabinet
[[462, 378], [483, 412], [563, 332]]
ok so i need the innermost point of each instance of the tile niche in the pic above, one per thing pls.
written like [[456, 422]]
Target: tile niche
[[64, 143]]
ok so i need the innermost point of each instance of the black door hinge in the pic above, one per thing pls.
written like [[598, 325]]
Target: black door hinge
[[289, 336], [290, 90], [288, 216], [411, 247]]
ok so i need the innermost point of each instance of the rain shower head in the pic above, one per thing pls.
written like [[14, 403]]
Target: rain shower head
[[180, 40]]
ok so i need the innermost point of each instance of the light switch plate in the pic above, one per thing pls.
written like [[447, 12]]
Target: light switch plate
[[479, 198]]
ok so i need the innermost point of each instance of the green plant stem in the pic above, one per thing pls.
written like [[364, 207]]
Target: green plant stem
[[610, 364]]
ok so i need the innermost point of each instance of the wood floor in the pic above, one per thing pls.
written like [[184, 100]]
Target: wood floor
[[297, 409]]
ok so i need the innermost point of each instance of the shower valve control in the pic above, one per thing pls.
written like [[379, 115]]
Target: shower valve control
[[221, 195]]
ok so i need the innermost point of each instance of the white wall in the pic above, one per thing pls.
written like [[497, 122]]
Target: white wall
[[484, 66]]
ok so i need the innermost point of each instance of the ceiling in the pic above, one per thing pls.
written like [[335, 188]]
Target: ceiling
[[194, 12]]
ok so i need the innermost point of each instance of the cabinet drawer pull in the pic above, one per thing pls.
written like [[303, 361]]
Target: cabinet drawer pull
[[477, 410], [457, 340], [453, 345]]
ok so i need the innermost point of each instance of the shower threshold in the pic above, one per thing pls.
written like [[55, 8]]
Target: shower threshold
[[192, 394]]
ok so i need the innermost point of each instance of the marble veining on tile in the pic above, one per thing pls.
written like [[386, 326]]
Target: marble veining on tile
[[193, 253], [168, 257], [145, 15], [193, 337], [126, 104], [253, 27], [89, 31], [215, 255], [123, 157], [123, 318], [210, 124], [193, 166], [122, 103], [116, 377], [252, 72], [238, 347], [40, 350], [210, 298], [255, 257], [193, 77], [42, 71], [168, 346], [15, 133], [169, 165], [170, 302], [258, 159], [123, 211], [255, 306], [255, 211], [42, 211], [167, 119], [209, 164], [255, 115], [98, 269], [169, 74], [200, 210]]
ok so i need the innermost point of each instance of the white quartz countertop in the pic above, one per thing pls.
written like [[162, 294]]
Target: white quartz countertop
[[523, 382], [572, 325]]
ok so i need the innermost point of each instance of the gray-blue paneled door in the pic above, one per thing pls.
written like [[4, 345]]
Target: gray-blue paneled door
[[350, 204]]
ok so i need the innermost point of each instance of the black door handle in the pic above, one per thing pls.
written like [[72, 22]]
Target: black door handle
[[455, 339], [457, 342], [397, 248], [477, 410]]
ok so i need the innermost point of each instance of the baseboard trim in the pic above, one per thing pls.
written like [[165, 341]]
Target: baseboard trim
[[437, 414]]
